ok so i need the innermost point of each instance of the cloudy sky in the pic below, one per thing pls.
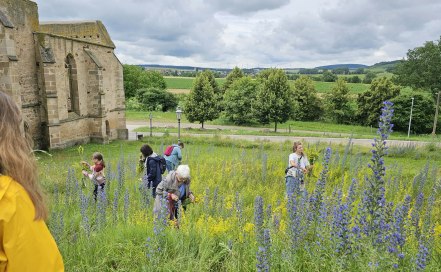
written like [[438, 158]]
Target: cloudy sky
[[257, 33]]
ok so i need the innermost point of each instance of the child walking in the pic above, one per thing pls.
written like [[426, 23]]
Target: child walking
[[97, 175]]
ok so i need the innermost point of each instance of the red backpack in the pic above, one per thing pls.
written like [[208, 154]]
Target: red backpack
[[168, 150]]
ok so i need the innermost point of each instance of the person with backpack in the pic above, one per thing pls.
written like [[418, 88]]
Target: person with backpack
[[298, 167], [174, 187], [173, 156], [152, 165]]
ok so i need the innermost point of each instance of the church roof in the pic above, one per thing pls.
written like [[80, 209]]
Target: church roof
[[89, 31]]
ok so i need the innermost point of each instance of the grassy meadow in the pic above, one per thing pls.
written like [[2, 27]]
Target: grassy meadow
[[294, 128], [185, 83], [242, 219], [182, 85]]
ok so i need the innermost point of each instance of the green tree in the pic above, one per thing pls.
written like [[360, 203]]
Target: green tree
[[274, 98], [131, 78], [239, 99], [359, 71], [422, 69], [369, 77], [355, 79], [308, 106], [328, 76], [153, 79], [154, 98], [201, 104], [371, 101], [235, 74], [422, 112], [338, 106], [136, 78]]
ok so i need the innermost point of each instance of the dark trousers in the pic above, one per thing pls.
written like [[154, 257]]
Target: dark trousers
[[95, 191]]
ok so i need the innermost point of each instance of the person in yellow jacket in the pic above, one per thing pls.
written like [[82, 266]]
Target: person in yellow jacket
[[25, 241]]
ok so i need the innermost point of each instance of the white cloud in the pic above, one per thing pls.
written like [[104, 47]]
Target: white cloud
[[279, 33]]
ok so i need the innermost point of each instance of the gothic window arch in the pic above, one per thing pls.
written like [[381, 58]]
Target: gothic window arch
[[73, 98]]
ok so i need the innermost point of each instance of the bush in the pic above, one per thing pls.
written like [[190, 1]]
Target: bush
[[156, 99], [422, 113], [132, 103]]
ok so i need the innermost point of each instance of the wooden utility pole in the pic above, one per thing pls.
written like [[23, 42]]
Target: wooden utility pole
[[436, 116]]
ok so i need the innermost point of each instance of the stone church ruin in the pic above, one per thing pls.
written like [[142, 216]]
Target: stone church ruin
[[64, 76]]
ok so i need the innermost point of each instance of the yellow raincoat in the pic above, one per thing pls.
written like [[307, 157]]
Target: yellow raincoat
[[25, 244]]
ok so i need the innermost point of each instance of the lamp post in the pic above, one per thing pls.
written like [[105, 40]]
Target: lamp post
[[150, 117], [410, 119], [178, 115]]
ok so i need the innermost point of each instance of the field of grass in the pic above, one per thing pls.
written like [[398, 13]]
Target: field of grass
[[185, 82], [242, 219], [326, 87], [304, 129]]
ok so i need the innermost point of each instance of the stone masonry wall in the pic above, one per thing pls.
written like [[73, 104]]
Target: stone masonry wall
[[19, 74], [34, 71]]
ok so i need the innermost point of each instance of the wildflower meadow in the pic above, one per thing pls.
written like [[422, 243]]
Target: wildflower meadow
[[362, 209]]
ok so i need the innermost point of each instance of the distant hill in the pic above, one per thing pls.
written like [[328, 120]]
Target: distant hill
[[385, 64], [158, 66], [336, 66]]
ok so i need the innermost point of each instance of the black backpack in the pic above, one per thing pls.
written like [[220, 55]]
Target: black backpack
[[162, 164]]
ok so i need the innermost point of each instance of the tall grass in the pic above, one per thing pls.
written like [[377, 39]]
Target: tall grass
[[221, 231]]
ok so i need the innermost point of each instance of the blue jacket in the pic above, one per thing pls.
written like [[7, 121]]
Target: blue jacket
[[176, 155], [153, 170]]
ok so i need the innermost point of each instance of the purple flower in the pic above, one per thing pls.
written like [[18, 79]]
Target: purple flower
[[263, 255], [126, 205], [258, 218], [423, 253]]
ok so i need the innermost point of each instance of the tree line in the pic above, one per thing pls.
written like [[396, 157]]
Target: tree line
[[270, 98]]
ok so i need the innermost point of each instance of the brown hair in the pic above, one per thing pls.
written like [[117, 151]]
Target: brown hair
[[99, 156], [16, 157], [295, 145], [146, 150]]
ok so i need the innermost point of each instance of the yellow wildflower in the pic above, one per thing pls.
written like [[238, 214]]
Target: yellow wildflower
[[249, 227], [437, 230]]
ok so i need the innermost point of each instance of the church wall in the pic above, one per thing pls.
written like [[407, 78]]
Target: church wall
[[100, 90], [33, 71], [18, 68]]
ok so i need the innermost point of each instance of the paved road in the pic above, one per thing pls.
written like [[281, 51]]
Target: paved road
[[132, 125]]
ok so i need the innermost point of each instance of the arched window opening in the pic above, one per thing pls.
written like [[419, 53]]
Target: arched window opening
[[73, 99], [107, 128]]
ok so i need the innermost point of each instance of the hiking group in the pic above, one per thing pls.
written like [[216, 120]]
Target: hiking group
[[22, 206], [175, 186]]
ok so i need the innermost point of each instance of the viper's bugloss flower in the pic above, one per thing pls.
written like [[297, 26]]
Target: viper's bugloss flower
[[258, 218], [126, 205], [264, 253]]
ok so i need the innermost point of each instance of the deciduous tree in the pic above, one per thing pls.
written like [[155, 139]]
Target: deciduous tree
[[201, 104], [308, 106], [274, 98], [239, 99], [338, 103], [136, 78], [371, 101], [422, 112], [235, 74], [422, 68]]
